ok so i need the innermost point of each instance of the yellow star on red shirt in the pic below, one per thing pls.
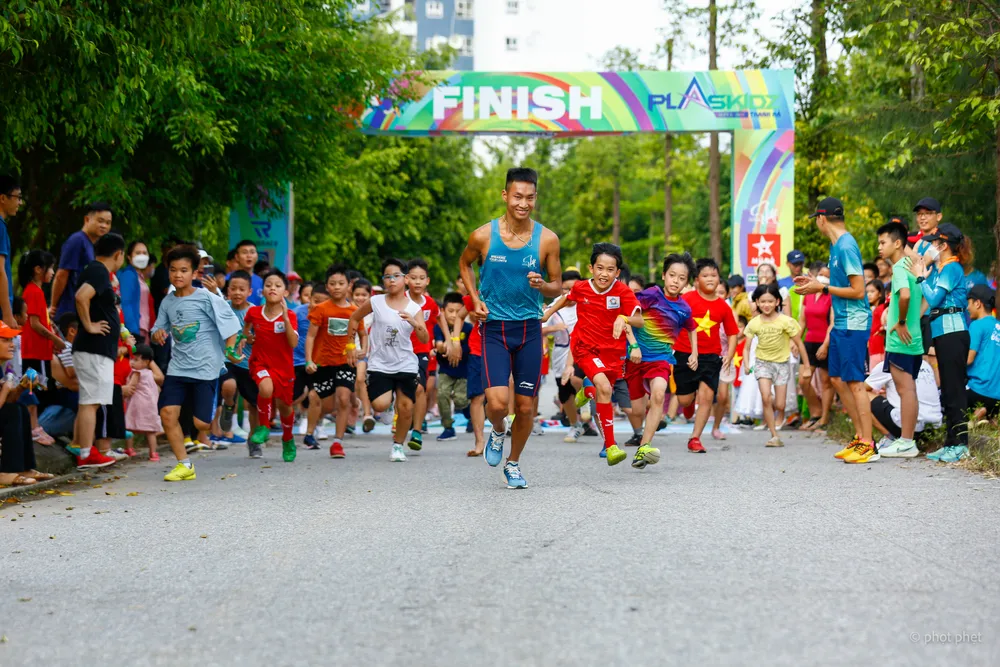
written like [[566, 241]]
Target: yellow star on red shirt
[[705, 323]]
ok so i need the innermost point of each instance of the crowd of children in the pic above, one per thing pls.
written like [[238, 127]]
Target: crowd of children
[[360, 351]]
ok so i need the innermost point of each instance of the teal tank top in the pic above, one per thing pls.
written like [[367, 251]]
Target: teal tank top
[[503, 281]]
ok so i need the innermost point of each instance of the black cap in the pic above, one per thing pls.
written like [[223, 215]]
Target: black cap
[[946, 232], [829, 206], [928, 203], [983, 293], [735, 281]]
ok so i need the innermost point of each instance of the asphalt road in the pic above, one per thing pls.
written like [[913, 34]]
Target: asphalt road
[[741, 556]]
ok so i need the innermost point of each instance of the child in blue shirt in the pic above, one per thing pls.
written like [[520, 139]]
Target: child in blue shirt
[[452, 380], [983, 393]]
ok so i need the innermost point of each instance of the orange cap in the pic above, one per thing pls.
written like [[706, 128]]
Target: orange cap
[[7, 332]]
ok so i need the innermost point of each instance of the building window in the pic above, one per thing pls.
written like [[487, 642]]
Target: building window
[[434, 9], [466, 48], [512, 43], [513, 6], [463, 9]]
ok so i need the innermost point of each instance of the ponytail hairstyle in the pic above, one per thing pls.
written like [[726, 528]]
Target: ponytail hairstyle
[[964, 252], [773, 290], [30, 260]]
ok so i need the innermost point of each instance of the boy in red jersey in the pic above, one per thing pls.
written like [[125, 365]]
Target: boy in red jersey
[[274, 337], [604, 306], [417, 282], [701, 376]]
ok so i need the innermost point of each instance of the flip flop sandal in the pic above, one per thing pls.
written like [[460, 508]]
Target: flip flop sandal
[[40, 476], [810, 425], [21, 480]]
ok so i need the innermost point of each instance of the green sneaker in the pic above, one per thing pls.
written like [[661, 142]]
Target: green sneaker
[[581, 399], [416, 442], [645, 454], [616, 455], [288, 450], [260, 435]]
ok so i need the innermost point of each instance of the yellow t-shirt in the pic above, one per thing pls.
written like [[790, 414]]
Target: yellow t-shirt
[[773, 338]]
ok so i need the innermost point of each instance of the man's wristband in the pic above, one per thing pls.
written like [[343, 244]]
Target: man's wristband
[[456, 339]]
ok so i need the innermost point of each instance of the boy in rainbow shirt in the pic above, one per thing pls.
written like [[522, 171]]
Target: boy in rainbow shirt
[[651, 359]]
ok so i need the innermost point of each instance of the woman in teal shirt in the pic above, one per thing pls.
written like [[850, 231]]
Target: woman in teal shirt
[[945, 291]]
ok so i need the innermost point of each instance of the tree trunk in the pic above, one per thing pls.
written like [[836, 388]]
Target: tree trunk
[[616, 219], [818, 29], [714, 222]]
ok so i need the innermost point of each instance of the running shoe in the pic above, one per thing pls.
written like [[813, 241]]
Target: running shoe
[[131, 453], [695, 446], [73, 449], [615, 455], [774, 442], [288, 450], [397, 455], [900, 448], [423, 427], [235, 439], [662, 425], [180, 473], [95, 460], [589, 431], [846, 451], [603, 453], [310, 442], [260, 436], [936, 455], [884, 443], [218, 446], [416, 442], [369, 424], [386, 418], [537, 430], [447, 434], [256, 451], [493, 452], [320, 433], [513, 474], [349, 430], [154, 457], [574, 434], [337, 450], [509, 422], [300, 428], [645, 454], [634, 441], [118, 454], [954, 453], [864, 453]]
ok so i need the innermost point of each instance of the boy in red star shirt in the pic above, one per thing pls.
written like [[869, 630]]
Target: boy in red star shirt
[[700, 376], [604, 306], [275, 335]]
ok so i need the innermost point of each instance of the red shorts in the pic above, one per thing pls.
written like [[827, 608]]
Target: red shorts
[[639, 376], [593, 362], [284, 384], [432, 364]]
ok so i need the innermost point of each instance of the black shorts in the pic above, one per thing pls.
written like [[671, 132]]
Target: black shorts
[[111, 418], [974, 400], [566, 391], [301, 382], [424, 361], [925, 331], [708, 371], [620, 394], [244, 383], [908, 363], [401, 383], [327, 379], [882, 412], [191, 394], [811, 349]]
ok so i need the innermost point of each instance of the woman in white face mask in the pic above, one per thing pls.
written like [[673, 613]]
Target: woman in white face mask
[[137, 306]]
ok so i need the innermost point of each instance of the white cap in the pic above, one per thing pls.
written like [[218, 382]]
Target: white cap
[[203, 255]]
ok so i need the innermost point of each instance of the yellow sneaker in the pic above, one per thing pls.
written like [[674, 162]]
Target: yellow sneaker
[[843, 453], [863, 453], [616, 455], [180, 473]]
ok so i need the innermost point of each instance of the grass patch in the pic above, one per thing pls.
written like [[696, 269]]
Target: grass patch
[[984, 446]]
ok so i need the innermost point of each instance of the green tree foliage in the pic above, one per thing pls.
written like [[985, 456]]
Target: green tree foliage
[[170, 109]]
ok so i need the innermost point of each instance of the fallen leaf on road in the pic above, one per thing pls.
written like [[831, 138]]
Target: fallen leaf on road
[[97, 486], [24, 599], [262, 467], [48, 492], [204, 537], [3, 639], [65, 493], [132, 493], [52, 537], [110, 493], [69, 508]]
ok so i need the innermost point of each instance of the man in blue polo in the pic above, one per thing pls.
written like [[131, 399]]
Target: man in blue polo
[[10, 202], [848, 355]]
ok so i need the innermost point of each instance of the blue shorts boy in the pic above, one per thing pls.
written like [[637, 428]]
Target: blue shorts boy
[[513, 347], [199, 395], [847, 358]]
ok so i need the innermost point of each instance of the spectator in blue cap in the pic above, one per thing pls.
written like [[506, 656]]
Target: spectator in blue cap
[[796, 262]]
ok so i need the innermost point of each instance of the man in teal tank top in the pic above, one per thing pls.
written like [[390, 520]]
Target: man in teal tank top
[[520, 267]]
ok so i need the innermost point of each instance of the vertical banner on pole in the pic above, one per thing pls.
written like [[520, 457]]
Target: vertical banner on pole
[[267, 221], [763, 189]]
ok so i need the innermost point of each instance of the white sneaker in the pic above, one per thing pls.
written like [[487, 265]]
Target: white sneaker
[[320, 433], [537, 430], [900, 448], [760, 427], [118, 454], [300, 428], [239, 431], [397, 453], [385, 418], [884, 443]]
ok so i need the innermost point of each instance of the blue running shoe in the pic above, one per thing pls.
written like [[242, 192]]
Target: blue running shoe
[[604, 452], [447, 434], [493, 453], [513, 474], [954, 454], [936, 455], [236, 440], [310, 442]]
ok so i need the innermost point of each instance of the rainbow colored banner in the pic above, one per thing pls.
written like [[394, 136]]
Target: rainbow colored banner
[[757, 106], [582, 103]]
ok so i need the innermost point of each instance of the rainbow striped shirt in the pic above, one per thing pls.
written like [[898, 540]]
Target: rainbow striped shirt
[[666, 319]]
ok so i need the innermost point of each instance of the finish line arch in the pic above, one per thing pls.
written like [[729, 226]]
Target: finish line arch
[[756, 106]]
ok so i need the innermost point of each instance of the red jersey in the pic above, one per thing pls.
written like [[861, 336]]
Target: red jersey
[[596, 314], [270, 347], [431, 311], [476, 337], [33, 345], [708, 315]]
